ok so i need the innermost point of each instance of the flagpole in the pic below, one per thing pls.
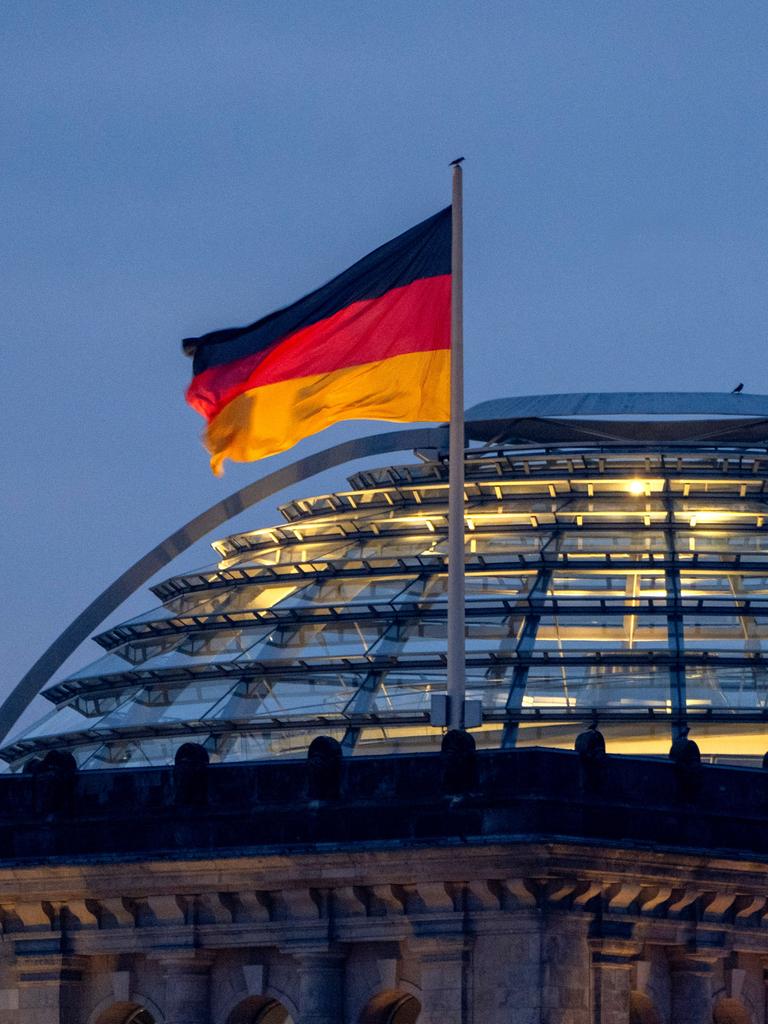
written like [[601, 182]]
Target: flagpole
[[456, 657]]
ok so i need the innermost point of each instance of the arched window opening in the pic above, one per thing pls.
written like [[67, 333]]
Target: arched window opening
[[126, 1013], [730, 1011], [259, 1010], [641, 1009], [392, 1008], [140, 1017]]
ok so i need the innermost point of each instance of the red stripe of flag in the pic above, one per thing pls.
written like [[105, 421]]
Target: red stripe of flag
[[413, 318]]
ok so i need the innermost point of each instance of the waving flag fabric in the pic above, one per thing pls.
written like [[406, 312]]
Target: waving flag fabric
[[373, 343]]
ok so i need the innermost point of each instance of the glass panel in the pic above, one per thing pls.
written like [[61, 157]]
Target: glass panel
[[173, 651], [610, 583], [723, 586], [639, 738], [156, 750], [478, 587], [629, 509], [561, 735], [122, 659], [726, 687], [398, 739], [317, 639], [211, 646], [287, 554], [336, 591], [614, 687], [496, 545], [726, 743], [390, 548], [717, 587], [749, 545], [184, 604], [406, 690], [715, 486], [601, 632], [168, 704], [754, 586], [642, 739], [739, 634], [249, 746], [399, 691], [593, 543], [284, 697], [496, 586], [491, 686], [713, 512], [242, 597], [429, 635], [84, 755], [60, 720]]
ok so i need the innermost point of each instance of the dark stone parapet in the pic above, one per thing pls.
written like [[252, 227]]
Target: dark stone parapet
[[226, 809]]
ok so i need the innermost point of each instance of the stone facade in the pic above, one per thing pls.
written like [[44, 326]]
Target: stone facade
[[523, 933], [482, 920]]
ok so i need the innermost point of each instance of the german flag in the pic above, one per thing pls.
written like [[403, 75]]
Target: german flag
[[373, 343]]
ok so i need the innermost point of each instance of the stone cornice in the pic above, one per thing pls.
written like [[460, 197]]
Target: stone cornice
[[323, 900], [327, 868]]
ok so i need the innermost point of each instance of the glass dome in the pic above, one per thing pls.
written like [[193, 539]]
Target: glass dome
[[622, 576]]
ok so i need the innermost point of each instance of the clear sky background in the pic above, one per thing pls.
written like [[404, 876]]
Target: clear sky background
[[169, 168]]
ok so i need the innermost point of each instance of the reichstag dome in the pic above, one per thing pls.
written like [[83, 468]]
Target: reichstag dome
[[616, 570]]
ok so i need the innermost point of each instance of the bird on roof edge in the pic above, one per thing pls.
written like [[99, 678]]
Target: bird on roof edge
[[738, 389]]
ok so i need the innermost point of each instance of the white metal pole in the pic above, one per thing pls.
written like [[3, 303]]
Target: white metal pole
[[456, 657]]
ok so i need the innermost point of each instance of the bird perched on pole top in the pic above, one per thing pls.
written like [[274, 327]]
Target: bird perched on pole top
[[738, 389]]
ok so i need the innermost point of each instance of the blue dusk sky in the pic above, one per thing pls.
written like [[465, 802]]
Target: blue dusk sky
[[174, 167]]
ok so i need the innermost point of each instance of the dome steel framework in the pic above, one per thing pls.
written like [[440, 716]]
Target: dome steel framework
[[615, 568]]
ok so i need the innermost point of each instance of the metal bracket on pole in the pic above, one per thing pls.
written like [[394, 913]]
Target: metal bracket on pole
[[440, 712]]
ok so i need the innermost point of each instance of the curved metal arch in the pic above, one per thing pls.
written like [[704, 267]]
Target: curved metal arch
[[137, 575]]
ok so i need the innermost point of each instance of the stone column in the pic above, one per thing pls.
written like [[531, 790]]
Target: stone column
[[186, 987], [442, 979], [321, 987], [692, 978], [48, 988], [611, 983], [566, 969]]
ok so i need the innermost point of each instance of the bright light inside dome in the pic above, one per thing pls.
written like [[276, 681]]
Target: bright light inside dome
[[637, 487]]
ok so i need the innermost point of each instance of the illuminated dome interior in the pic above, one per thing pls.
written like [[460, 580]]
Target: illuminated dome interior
[[615, 567]]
